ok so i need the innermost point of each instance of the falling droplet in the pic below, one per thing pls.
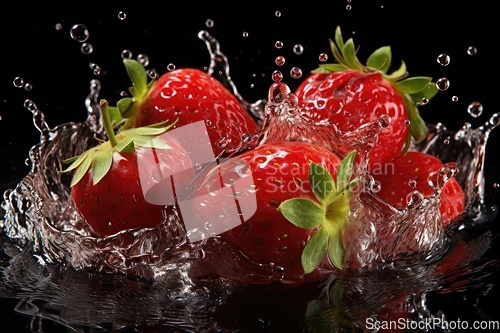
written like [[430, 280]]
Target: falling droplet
[[87, 48], [280, 60], [348, 7], [28, 87], [454, 98], [277, 13], [209, 23], [277, 76], [126, 54], [323, 57], [171, 67], [443, 59], [278, 44], [471, 50], [298, 49], [79, 32], [152, 74], [143, 59], [18, 82], [278, 93], [58, 26], [245, 34], [122, 15], [475, 109], [296, 72], [443, 84]]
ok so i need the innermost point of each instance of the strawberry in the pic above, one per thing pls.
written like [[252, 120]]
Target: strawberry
[[302, 194], [109, 188], [350, 94], [413, 171], [189, 95]]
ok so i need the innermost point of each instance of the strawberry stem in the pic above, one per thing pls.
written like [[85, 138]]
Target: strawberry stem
[[106, 118]]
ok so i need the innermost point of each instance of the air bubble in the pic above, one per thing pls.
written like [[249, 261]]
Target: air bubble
[[278, 44], [122, 15], [323, 57], [280, 60], [298, 49], [475, 109], [296, 72], [18, 82], [443, 84], [87, 48], [79, 32], [443, 59], [126, 54], [472, 50], [209, 23]]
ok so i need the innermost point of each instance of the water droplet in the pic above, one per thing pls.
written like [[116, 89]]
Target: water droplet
[[496, 185], [296, 72], [277, 76], [443, 59], [245, 34], [208, 122], [278, 93], [280, 60], [122, 15], [348, 7], [277, 13], [18, 82], [298, 49], [223, 142], [278, 44], [58, 26], [152, 74], [126, 54], [475, 109], [323, 57], [443, 84], [28, 86], [292, 100], [472, 50], [375, 186], [454, 98], [143, 59], [209, 23], [171, 67], [87, 48], [79, 32], [424, 101], [412, 183], [407, 122]]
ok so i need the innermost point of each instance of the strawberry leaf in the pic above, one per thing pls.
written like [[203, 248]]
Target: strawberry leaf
[[322, 183], [344, 173], [82, 168], [427, 93], [303, 213], [101, 164], [314, 251], [138, 76], [412, 85], [336, 248], [380, 59], [349, 54]]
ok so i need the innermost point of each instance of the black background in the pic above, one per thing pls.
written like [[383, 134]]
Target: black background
[[51, 61]]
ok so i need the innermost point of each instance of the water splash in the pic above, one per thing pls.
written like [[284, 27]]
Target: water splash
[[39, 211]]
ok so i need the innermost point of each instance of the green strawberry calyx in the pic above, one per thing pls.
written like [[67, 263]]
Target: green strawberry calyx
[[127, 107], [329, 214], [99, 158], [414, 90]]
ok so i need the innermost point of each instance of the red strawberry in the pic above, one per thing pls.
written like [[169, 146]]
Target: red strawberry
[[411, 172], [190, 95], [302, 203], [350, 94], [111, 181]]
